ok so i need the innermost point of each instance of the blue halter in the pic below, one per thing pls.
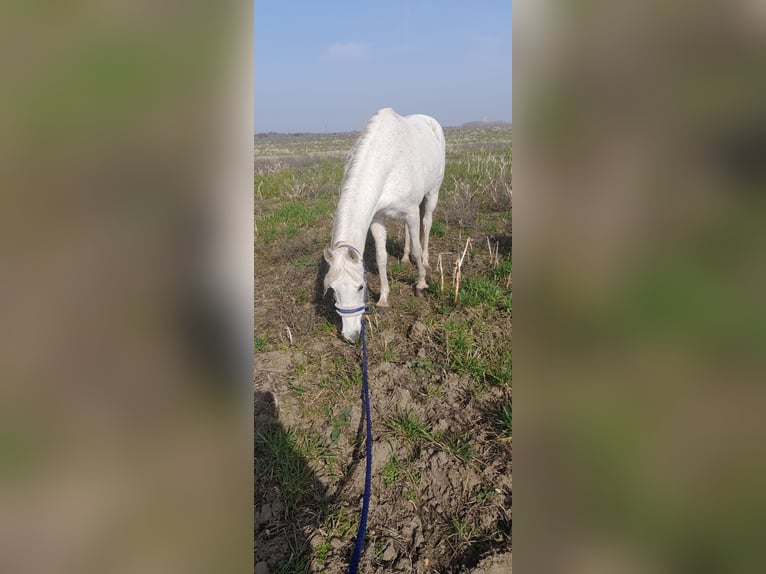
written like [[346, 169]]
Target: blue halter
[[354, 311]]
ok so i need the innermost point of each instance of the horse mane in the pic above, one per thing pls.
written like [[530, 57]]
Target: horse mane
[[354, 161], [361, 145]]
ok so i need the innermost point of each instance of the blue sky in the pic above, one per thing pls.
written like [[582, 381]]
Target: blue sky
[[330, 65]]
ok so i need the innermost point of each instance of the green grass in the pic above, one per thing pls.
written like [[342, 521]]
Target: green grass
[[299, 181], [303, 261], [464, 355], [344, 378], [437, 229], [485, 492], [423, 367], [458, 444], [336, 524], [393, 471], [478, 291], [461, 528], [502, 271], [390, 355], [278, 458], [505, 420], [499, 366], [298, 562], [409, 428], [259, 343], [473, 352], [302, 296], [298, 389], [320, 552], [287, 221], [397, 473], [410, 494], [402, 273], [325, 327], [340, 422]]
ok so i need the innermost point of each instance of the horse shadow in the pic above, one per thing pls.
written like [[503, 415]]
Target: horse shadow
[[289, 500], [504, 243], [280, 514], [324, 304]]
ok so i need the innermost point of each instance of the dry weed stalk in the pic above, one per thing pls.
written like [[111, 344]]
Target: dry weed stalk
[[370, 320], [441, 269], [441, 273], [458, 268], [494, 253]]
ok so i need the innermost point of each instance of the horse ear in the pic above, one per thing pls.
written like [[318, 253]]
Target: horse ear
[[328, 254], [353, 255]]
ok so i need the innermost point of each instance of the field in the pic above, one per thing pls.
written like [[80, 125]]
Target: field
[[439, 371]]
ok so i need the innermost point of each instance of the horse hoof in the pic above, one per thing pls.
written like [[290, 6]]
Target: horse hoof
[[381, 310], [420, 292]]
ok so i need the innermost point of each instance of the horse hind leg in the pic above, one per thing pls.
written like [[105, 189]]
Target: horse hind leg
[[413, 225], [427, 207]]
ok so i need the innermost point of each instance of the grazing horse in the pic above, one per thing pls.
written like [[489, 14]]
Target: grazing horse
[[395, 169]]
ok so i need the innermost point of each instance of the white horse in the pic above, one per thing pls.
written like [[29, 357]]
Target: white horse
[[395, 169]]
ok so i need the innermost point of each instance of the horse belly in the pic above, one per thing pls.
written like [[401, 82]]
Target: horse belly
[[400, 198]]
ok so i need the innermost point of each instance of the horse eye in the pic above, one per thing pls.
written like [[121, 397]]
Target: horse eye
[[360, 288]]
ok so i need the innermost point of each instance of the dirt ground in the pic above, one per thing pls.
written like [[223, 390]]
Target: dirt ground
[[439, 375]]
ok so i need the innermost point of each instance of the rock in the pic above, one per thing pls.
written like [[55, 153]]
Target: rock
[[403, 399], [336, 543], [389, 553], [418, 540], [316, 541], [384, 368], [498, 564], [413, 532], [388, 336], [439, 460], [264, 514], [261, 568], [418, 331], [381, 453], [357, 478], [277, 507]]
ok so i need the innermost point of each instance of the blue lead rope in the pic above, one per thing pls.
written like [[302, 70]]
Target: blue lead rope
[[359, 546]]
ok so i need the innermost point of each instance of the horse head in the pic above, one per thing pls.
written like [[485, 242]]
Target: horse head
[[346, 278]]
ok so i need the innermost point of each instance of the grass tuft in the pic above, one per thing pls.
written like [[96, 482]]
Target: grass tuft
[[505, 420]]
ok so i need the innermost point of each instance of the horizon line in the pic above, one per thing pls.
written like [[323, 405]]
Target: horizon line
[[461, 126]]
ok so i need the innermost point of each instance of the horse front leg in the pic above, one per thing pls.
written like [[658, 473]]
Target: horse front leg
[[413, 224], [378, 231]]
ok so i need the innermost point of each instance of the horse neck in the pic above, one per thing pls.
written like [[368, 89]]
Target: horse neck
[[356, 208]]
